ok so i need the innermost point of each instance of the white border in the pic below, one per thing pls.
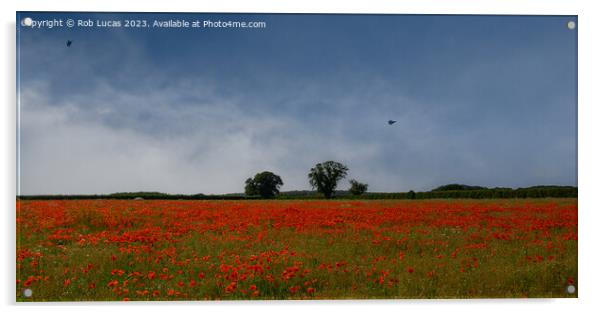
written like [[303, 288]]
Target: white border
[[590, 50]]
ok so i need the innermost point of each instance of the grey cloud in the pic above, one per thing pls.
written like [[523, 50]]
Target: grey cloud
[[194, 134]]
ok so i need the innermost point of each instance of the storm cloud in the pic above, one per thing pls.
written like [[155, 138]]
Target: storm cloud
[[138, 117]]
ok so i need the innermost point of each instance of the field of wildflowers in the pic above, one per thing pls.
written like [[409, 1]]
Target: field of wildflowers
[[120, 250]]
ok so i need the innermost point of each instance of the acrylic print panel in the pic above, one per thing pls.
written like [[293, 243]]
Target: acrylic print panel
[[166, 156]]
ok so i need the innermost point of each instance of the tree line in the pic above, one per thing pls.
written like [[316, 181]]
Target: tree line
[[324, 178]]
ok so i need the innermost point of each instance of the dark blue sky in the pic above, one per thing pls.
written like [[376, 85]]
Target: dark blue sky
[[487, 100]]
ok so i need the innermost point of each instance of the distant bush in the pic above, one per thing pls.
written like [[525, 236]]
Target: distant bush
[[458, 187], [357, 188]]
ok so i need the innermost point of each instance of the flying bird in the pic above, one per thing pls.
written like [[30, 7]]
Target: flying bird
[[391, 122], [69, 43]]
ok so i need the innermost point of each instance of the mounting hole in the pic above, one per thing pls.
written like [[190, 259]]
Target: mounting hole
[[571, 25], [27, 293], [570, 289], [27, 21]]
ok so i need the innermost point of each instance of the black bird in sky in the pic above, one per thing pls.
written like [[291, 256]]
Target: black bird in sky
[[391, 122], [69, 43]]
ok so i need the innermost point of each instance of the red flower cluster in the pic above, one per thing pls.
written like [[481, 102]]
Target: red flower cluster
[[147, 250]]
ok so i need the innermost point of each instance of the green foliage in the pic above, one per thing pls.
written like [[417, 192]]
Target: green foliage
[[529, 192], [265, 184], [133, 195], [458, 187], [325, 176], [357, 188]]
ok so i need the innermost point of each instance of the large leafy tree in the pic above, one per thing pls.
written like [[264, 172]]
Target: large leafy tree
[[324, 176], [265, 184]]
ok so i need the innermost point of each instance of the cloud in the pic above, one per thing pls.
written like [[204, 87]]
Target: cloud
[[176, 139], [70, 149], [182, 140], [99, 120]]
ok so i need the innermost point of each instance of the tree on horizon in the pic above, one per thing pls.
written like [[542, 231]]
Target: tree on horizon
[[265, 184], [325, 176]]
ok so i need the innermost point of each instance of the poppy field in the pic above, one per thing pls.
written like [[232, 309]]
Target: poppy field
[[147, 250]]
